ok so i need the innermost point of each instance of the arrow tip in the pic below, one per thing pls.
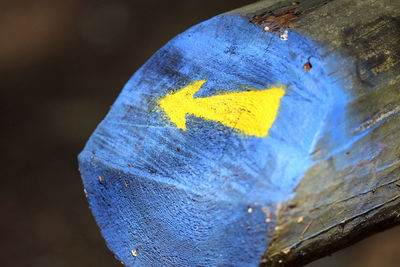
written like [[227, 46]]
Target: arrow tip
[[177, 104]]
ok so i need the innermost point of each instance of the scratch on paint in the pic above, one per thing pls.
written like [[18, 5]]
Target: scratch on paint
[[282, 18], [276, 22], [388, 111], [251, 113], [343, 222], [307, 227], [357, 195]]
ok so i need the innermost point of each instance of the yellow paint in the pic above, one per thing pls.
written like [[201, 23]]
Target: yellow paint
[[134, 253], [251, 113], [100, 179]]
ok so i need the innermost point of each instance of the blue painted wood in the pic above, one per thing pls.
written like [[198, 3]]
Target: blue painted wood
[[206, 196]]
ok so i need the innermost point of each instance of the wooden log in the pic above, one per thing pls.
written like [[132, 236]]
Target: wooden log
[[267, 135]]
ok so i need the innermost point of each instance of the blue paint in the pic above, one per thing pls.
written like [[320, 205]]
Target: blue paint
[[198, 197]]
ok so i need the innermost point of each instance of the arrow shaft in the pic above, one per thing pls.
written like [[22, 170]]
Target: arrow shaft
[[251, 112]]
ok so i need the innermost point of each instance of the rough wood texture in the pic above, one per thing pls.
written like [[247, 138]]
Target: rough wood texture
[[176, 177], [354, 188]]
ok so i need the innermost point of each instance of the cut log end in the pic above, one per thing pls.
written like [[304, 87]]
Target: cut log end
[[180, 183]]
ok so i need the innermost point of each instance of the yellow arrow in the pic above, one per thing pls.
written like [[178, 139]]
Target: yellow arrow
[[252, 112]]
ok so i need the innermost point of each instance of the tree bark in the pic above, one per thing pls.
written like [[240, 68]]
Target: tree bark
[[354, 189]]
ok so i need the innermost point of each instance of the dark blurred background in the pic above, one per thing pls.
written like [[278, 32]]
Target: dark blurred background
[[62, 64]]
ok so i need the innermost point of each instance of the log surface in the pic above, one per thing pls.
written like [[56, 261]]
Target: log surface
[[353, 189], [173, 186]]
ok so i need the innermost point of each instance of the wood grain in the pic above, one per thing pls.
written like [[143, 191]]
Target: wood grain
[[353, 189], [205, 194]]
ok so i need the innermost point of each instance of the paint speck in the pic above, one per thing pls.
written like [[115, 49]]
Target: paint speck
[[307, 66], [277, 228], [280, 261], [266, 28], [134, 254], [347, 152], [126, 185], [300, 219], [284, 35], [178, 149], [286, 251], [249, 210], [268, 214], [100, 179], [196, 228]]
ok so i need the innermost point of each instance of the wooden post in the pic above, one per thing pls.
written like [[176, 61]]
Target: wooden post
[[267, 135]]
